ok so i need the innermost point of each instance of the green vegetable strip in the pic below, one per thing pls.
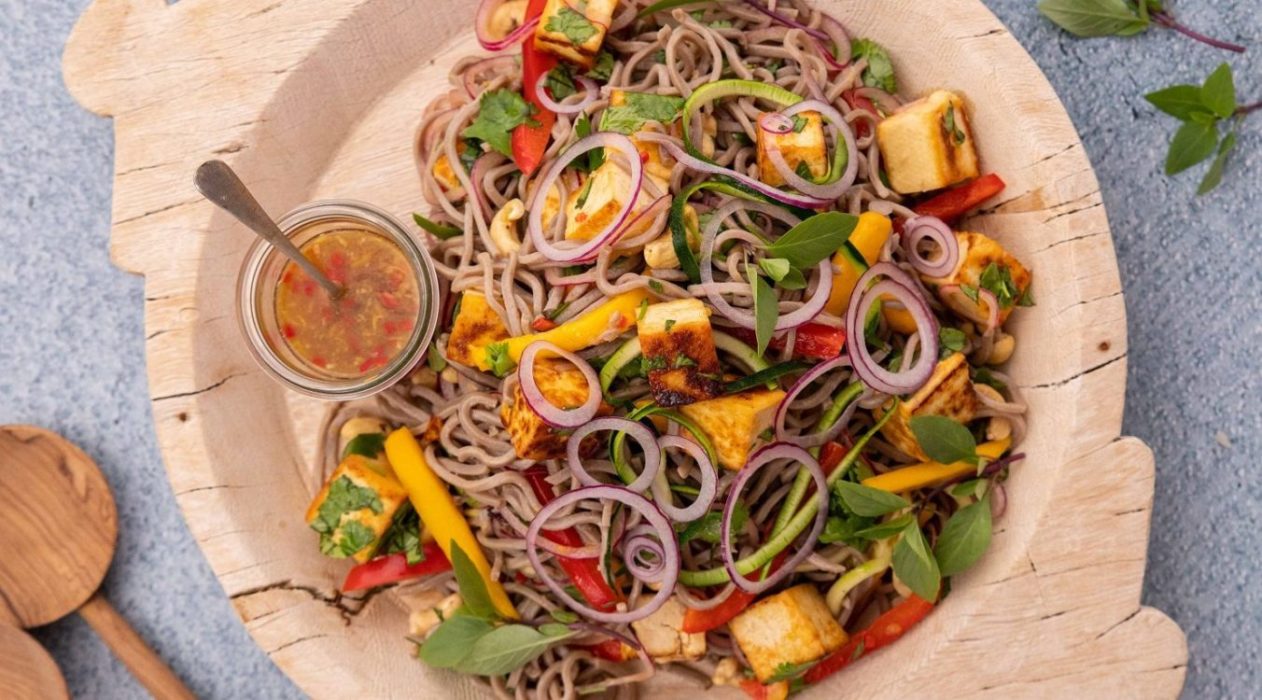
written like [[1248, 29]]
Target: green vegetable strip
[[743, 352], [796, 526], [620, 439], [731, 88], [621, 357]]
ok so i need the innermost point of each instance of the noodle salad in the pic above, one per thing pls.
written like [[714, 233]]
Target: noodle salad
[[715, 386]]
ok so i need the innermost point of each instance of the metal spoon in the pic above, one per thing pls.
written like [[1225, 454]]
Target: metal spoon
[[218, 183]]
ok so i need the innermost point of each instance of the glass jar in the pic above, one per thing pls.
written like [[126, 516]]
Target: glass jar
[[257, 308]]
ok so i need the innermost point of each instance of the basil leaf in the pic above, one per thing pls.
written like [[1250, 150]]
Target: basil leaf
[[575, 26], [506, 649], [1091, 18], [476, 599], [559, 83], [1179, 101], [708, 528], [944, 439], [914, 564], [950, 340], [499, 112], [880, 70], [813, 240], [440, 231], [766, 309], [640, 107], [1192, 144], [964, 538], [1214, 177], [776, 268], [1219, 92], [366, 445], [867, 501], [452, 640], [564, 616], [883, 531]]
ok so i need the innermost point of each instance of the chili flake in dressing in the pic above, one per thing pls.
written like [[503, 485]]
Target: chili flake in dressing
[[370, 324]]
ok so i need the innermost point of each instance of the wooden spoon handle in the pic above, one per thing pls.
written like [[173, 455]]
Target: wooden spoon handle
[[143, 663]]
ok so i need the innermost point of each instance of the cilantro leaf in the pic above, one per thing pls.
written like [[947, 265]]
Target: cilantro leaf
[[499, 112], [640, 107], [880, 70], [354, 537], [576, 27], [950, 340], [345, 496], [603, 68]]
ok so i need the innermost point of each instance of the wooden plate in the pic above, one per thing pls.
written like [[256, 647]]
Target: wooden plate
[[318, 98]]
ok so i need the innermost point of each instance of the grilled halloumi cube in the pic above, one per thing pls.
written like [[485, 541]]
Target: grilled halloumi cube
[[355, 508], [475, 327], [574, 30], [803, 148], [928, 144], [789, 628], [443, 171], [949, 392], [678, 347], [563, 385], [735, 423], [660, 252], [662, 636], [977, 253]]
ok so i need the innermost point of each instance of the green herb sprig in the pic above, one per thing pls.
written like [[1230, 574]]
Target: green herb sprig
[[1094, 18]]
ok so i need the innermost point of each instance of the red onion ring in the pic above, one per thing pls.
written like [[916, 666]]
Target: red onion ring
[[885, 101], [707, 491], [766, 455], [545, 409], [972, 310], [900, 288], [840, 38], [992, 314], [493, 63], [652, 516], [934, 229], [640, 541], [800, 201], [841, 135], [786, 21], [782, 412], [590, 89], [482, 20], [604, 139], [636, 431], [775, 123], [809, 310]]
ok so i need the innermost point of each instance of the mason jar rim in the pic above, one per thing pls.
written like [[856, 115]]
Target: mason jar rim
[[250, 279]]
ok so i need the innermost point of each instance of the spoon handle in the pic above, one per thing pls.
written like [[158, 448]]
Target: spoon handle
[[218, 183], [144, 664]]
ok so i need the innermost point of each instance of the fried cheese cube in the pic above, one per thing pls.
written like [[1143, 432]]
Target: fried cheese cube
[[663, 637], [564, 386], [355, 508], [475, 327], [949, 392], [735, 423], [678, 347], [803, 149], [928, 144], [1008, 277], [789, 628], [574, 30]]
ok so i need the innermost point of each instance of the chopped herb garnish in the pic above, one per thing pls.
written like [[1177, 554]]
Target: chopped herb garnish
[[640, 107], [439, 230], [880, 70], [576, 27], [670, 323], [953, 128], [499, 112]]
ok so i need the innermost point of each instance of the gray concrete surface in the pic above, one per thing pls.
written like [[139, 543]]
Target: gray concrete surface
[[72, 353]]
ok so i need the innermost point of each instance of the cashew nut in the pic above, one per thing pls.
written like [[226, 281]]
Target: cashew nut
[[507, 17], [1002, 350], [999, 427], [504, 227]]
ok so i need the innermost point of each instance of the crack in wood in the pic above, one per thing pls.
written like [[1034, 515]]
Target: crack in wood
[[168, 207], [299, 640], [195, 392], [336, 600], [1079, 375], [1119, 623], [1071, 212]]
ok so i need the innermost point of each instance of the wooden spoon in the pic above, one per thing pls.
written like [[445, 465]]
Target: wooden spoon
[[26, 670], [58, 528]]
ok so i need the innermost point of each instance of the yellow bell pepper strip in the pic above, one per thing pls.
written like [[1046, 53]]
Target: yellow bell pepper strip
[[868, 238], [439, 512], [620, 312], [919, 476]]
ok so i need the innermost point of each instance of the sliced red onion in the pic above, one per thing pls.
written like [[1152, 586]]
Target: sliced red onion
[[840, 39], [652, 516], [972, 310], [486, 65], [898, 287], [692, 163], [809, 310], [998, 501], [992, 309], [604, 139], [931, 228], [551, 414], [882, 99], [639, 542], [590, 92], [706, 492], [636, 431], [766, 455], [787, 21], [782, 412], [481, 23], [775, 123], [843, 137]]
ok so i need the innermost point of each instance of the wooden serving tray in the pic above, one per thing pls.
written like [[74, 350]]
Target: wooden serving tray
[[319, 98]]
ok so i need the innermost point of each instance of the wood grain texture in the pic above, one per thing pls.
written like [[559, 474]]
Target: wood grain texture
[[57, 526], [127, 645], [27, 672], [316, 98]]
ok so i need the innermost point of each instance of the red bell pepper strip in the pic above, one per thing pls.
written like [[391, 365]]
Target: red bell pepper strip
[[543, 324], [815, 341], [954, 203], [393, 568], [771, 691], [530, 142], [584, 573], [830, 455], [885, 630], [861, 128], [697, 621], [611, 650]]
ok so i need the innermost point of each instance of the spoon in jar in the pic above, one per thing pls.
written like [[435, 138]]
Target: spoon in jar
[[218, 183]]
